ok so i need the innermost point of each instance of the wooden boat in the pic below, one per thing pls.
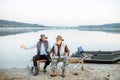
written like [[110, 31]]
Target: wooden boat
[[97, 56]]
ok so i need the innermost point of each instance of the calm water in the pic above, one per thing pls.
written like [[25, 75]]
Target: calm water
[[11, 55]]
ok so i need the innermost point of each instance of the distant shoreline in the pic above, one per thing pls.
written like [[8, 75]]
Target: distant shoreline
[[60, 28], [14, 27]]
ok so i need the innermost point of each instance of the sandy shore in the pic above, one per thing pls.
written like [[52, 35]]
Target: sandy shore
[[91, 72]]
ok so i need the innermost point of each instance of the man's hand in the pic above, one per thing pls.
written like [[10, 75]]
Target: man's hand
[[48, 50], [66, 54], [51, 55], [23, 46]]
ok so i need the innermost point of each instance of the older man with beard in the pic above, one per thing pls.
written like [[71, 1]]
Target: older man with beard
[[59, 52]]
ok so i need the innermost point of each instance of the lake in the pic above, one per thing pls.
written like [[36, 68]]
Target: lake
[[11, 55]]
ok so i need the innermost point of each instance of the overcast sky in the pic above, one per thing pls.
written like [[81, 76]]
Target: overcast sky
[[61, 12]]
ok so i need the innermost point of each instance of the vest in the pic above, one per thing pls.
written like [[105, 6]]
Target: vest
[[39, 46], [62, 49]]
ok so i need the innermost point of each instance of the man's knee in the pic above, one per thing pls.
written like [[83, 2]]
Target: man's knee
[[49, 59], [35, 57], [48, 62]]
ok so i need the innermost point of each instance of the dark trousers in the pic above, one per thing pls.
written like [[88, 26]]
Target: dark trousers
[[40, 57]]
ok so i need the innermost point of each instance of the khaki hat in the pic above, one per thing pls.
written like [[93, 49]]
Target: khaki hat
[[60, 37], [43, 35]]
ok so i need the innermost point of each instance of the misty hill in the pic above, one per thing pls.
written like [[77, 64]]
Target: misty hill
[[7, 24], [14, 24], [27, 27], [107, 26]]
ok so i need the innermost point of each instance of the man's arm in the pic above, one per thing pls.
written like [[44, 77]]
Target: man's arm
[[67, 50], [29, 47], [52, 52]]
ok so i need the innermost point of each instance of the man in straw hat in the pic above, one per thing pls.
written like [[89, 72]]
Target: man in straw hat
[[59, 52], [43, 49]]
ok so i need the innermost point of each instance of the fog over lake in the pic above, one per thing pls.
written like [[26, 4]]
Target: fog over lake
[[11, 55]]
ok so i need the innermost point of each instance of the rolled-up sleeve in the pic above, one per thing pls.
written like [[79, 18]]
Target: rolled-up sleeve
[[31, 46], [52, 51]]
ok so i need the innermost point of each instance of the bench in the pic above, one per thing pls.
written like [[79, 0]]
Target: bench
[[40, 61], [72, 60]]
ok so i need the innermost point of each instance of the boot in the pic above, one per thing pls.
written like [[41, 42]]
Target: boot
[[54, 73], [44, 70], [63, 72], [36, 71], [31, 70]]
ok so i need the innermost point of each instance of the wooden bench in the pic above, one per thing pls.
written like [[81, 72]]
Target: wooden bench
[[40, 61], [71, 60]]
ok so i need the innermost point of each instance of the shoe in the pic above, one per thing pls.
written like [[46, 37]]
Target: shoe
[[54, 74], [31, 70], [36, 71]]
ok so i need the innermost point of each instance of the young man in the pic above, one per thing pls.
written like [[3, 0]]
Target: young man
[[43, 49], [59, 52]]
